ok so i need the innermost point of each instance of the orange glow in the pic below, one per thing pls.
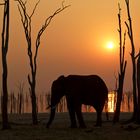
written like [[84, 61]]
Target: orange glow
[[74, 43], [110, 45]]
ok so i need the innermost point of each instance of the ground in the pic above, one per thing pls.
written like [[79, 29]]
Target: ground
[[59, 130]]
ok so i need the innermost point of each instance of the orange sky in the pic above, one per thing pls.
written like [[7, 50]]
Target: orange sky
[[74, 43]]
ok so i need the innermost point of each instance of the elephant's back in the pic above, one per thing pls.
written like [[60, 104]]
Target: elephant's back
[[91, 89], [88, 83]]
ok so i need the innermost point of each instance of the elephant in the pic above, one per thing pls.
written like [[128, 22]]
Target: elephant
[[79, 89]]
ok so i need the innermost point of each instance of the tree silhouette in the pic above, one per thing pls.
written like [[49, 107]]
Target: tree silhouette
[[26, 22], [5, 44], [138, 85], [133, 58], [122, 69], [20, 99]]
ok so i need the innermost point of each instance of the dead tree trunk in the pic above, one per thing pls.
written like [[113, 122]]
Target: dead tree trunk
[[128, 101], [20, 103], [5, 43], [20, 97], [26, 103], [11, 102], [133, 58], [122, 71], [14, 103], [26, 21], [41, 103], [138, 85]]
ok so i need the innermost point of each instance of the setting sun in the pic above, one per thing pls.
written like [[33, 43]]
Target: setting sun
[[110, 45]]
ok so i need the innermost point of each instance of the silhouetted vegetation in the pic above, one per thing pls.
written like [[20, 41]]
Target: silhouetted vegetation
[[26, 22], [138, 85], [133, 58], [44, 100], [5, 45], [21, 102], [122, 69]]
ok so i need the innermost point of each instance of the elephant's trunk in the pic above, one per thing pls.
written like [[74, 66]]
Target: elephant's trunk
[[51, 116]]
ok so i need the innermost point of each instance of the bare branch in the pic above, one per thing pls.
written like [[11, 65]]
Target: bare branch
[[116, 82], [127, 2], [26, 21], [128, 28], [124, 39], [2, 3], [34, 8], [21, 15], [130, 33], [123, 48], [120, 35], [124, 68], [46, 24], [137, 55], [29, 80], [23, 6], [119, 9]]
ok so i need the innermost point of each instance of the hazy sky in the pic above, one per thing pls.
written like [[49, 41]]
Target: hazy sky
[[74, 43]]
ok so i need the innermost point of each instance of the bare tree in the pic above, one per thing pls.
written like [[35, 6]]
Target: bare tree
[[41, 102], [129, 98], [138, 85], [26, 102], [133, 58], [11, 102], [26, 22], [20, 99], [123, 63], [5, 44]]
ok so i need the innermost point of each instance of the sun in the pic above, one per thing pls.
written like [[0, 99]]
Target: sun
[[110, 45]]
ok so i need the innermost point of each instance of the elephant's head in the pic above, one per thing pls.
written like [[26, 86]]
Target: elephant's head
[[57, 92]]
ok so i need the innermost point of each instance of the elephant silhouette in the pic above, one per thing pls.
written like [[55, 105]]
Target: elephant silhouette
[[89, 90]]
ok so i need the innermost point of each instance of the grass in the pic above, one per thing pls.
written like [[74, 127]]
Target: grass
[[22, 129]]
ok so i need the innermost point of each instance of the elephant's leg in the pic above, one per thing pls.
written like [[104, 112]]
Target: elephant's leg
[[71, 109], [80, 116], [99, 118]]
